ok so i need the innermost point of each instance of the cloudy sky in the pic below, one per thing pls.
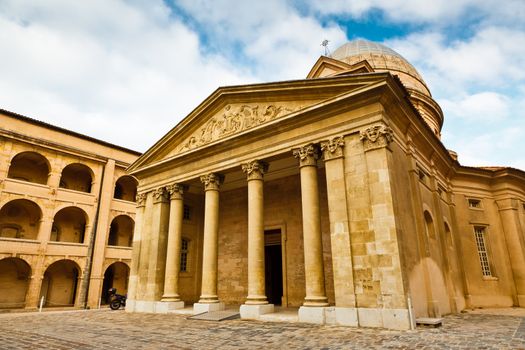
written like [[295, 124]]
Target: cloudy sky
[[128, 71]]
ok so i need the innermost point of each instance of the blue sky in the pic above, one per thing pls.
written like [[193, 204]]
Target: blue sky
[[128, 71]]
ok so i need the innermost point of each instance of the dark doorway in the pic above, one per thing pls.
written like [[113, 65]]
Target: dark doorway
[[106, 284], [273, 266]]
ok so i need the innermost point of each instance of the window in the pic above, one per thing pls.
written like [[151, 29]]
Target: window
[[479, 233], [187, 212], [184, 255], [474, 203]]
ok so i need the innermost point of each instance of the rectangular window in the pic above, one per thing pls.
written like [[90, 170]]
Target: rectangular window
[[479, 233], [474, 203], [184, 255], [187, 212]]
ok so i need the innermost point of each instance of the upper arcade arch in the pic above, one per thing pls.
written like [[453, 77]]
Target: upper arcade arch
[[121, 231], [15, 274], [126, 188], [69, 225], [77, 177], [20, 218], [29, 166]]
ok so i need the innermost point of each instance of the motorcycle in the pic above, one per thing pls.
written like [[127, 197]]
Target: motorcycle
[[116, 300]]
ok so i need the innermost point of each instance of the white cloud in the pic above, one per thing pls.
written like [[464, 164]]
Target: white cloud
[[103, 66], [481, 107]]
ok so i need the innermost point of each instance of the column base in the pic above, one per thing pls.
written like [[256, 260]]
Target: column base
[[312, 314], [143, 306], [163, 307], [253, 312], [130, 305], [199, 308]]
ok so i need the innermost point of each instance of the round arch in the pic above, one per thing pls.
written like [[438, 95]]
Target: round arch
[[15, 275], [116, 276], [20, 218], [121, 231], [69, 225], [29, 166], [77, 177], [60, 283], [126, 188], [429, 224]]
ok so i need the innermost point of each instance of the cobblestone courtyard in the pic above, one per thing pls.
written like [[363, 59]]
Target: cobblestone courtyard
[[104, 329]]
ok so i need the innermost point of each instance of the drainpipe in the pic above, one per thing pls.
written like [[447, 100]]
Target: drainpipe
[[84, 289]]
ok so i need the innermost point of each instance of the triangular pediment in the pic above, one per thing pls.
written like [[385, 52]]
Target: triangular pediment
[[327, 67], [233, 111]]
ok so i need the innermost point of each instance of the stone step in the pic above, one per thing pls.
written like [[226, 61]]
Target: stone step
[[429, 321], [216, 315]]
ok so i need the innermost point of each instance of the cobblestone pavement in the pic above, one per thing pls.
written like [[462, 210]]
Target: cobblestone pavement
[[105, 329]]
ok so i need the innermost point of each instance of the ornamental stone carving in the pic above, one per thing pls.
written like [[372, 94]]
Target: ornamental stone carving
[[140, 198], [377, 136], [175, 191], [255, 170], [212, 181], [160, 195], [333, 148], [307, 155], [234, 119]]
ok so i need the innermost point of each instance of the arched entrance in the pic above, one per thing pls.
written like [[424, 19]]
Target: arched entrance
[[29, 166], [20, 219], [69, 225], [15, 274], [126, 188], [77, 177], [121, 231], [60, 284], [116, 276]]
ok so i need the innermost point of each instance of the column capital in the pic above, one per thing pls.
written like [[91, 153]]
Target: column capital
[[307, 154], [255, 169], [333, 148], [377, 136], [176, 191], [160, 195], [140, 198], [212, 181]]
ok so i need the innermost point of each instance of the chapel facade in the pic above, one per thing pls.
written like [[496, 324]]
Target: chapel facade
[[67, 210], [333, 194]]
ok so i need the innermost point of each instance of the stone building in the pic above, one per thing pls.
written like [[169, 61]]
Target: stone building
[[66, 215], [333, 194]]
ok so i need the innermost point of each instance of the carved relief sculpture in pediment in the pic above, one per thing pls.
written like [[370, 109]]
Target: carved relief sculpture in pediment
[[234, 119]]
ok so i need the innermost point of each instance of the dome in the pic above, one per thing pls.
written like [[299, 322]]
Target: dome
[[382, 58]]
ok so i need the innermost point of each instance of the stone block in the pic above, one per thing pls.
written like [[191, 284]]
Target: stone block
[[312, 314], [346, 316], [144, 306], [253, 312], [199, 308], [396, 319], [370, 317], [163, 307], [130, 305]]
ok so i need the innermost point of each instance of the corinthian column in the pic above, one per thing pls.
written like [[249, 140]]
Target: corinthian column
[[170, 299], [209, 301], [313, 246]]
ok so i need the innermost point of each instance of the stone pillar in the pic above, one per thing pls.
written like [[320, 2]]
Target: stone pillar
[[345, 300], [209, 301], [135, 253], [313, 246], [256, 302], [145, 240], [157, 249], [514, 239], [170, 299]]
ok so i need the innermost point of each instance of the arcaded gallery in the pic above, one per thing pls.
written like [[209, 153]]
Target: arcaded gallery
[[333, 195], [67, 210]]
